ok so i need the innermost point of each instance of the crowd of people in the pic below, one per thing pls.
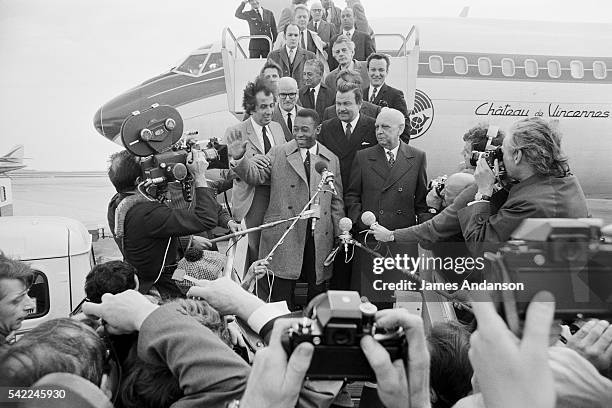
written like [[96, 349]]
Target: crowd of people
[[320, 107]]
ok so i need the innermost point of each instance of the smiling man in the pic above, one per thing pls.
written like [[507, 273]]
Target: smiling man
[[293, 181], [15, 304]]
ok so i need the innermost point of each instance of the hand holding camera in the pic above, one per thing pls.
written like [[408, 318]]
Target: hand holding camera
[[197, 165], [485, 176]]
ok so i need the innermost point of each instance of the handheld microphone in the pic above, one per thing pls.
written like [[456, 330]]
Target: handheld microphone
[[368, 218], [345, 224], [316, 213], [327, 177]]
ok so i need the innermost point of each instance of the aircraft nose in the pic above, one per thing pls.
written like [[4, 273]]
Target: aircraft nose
[[108, 119]]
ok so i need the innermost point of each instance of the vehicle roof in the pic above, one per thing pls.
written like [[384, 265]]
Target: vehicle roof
[[39, 237]]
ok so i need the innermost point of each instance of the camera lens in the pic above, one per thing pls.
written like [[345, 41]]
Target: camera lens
[[342, 337]]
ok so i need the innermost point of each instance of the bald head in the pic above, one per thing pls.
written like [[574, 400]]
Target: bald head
[[287, 92], [455, 184], [390, 124], [392, 116]]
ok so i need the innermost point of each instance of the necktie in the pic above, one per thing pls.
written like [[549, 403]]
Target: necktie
[[311, 96], [303, 40], [373, 96], [348, 131], [348, 34], [289, 122], [266, 141], [316, 26], [307, 166], [291, 55], [391, 158]]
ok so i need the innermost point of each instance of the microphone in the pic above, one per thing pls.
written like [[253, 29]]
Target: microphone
[[345, 224], [316, 213], [327, 177], [368, 218]]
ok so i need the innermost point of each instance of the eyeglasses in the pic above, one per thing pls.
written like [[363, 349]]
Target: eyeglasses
[[288, 95]]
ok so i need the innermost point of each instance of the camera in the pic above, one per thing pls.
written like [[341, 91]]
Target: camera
[[489, 155], [566, 257], [438, 184], [338, 322], [156, 135]]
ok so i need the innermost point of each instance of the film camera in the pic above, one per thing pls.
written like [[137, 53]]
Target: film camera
[[490, 156], [438, 184], [566, 257], [156, 135], [338, 322]]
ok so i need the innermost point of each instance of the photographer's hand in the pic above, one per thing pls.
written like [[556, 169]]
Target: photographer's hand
[[276, 379], [197, 165], [594, 342], [398, 384], [513, 372], [381, 233], [433, 199], [484, 177], [236, 147]]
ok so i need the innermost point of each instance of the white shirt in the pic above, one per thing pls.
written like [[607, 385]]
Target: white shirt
[[353, 124], [259, 133], [394, 151], [349, 32], [293, 113], [314, 150]]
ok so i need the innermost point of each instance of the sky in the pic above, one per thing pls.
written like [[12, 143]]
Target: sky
[[62, 59]]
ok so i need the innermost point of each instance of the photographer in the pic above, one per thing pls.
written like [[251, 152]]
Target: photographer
[[147, 231]]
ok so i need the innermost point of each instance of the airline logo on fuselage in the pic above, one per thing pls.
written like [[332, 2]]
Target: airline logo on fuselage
[[422, 115]]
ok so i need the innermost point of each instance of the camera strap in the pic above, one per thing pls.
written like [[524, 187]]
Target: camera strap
[[491, 133]]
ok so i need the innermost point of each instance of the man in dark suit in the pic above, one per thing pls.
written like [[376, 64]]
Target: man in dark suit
[[343, 51], [379, 93], [261, 22], [315, 94], [287, 108], [390, 180], [363, 43], [353, 77], [325, 30], [331, 14], [291, 57]]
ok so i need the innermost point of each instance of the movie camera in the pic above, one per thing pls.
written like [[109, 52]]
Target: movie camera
[[566, 257], [156, 135], [334, 322]]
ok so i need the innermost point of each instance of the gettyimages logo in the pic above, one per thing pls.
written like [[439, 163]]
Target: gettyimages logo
[[421, 116]]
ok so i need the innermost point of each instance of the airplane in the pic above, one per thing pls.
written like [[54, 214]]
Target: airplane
[[13, 160], [470, 70]]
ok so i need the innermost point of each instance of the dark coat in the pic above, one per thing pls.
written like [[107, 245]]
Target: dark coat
[[367, 108], [295, 70], [325, 30], [257, 26], [277, 117], [333, 137], [390, 97], [325, 98], [363, 44]]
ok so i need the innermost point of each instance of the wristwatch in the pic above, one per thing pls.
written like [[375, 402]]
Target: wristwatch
[[481, 197], [432, 210]]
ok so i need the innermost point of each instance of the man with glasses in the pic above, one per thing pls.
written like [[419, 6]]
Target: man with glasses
[[291, 57], [325, 30], [286, 109]]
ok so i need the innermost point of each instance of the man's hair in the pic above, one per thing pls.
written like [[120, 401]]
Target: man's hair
[[541, 146], [290, 24], [348, 8], [249, 99], [351, 87], [123, 171], [204, 314], [309, 113], [378, 56], [477, 136], [342, 39], [301, 6], [271, 64], [349, 75], [149, 386], [110, 277], [451, 371], [56, 346], [14, 269], [315, 62], [300, 2]]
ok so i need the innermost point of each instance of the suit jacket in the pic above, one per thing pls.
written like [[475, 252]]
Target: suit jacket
[[333, 16], [363, 46], [325, 98], [325, 30], [277, 117], [242, 193], [333, 137], [390, 97], [361, 66], [367, 108], [289, 194], [535, 197], [257, 26], [295, 70]]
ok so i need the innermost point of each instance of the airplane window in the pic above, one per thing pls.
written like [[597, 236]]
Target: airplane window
[[2, 194], [484, 66], [577, 69], [507, 67], [193, 64], [461, 65], [531, 68], [554, 68], [599, 70], [436, 64], [215, 61], [39, 292]]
